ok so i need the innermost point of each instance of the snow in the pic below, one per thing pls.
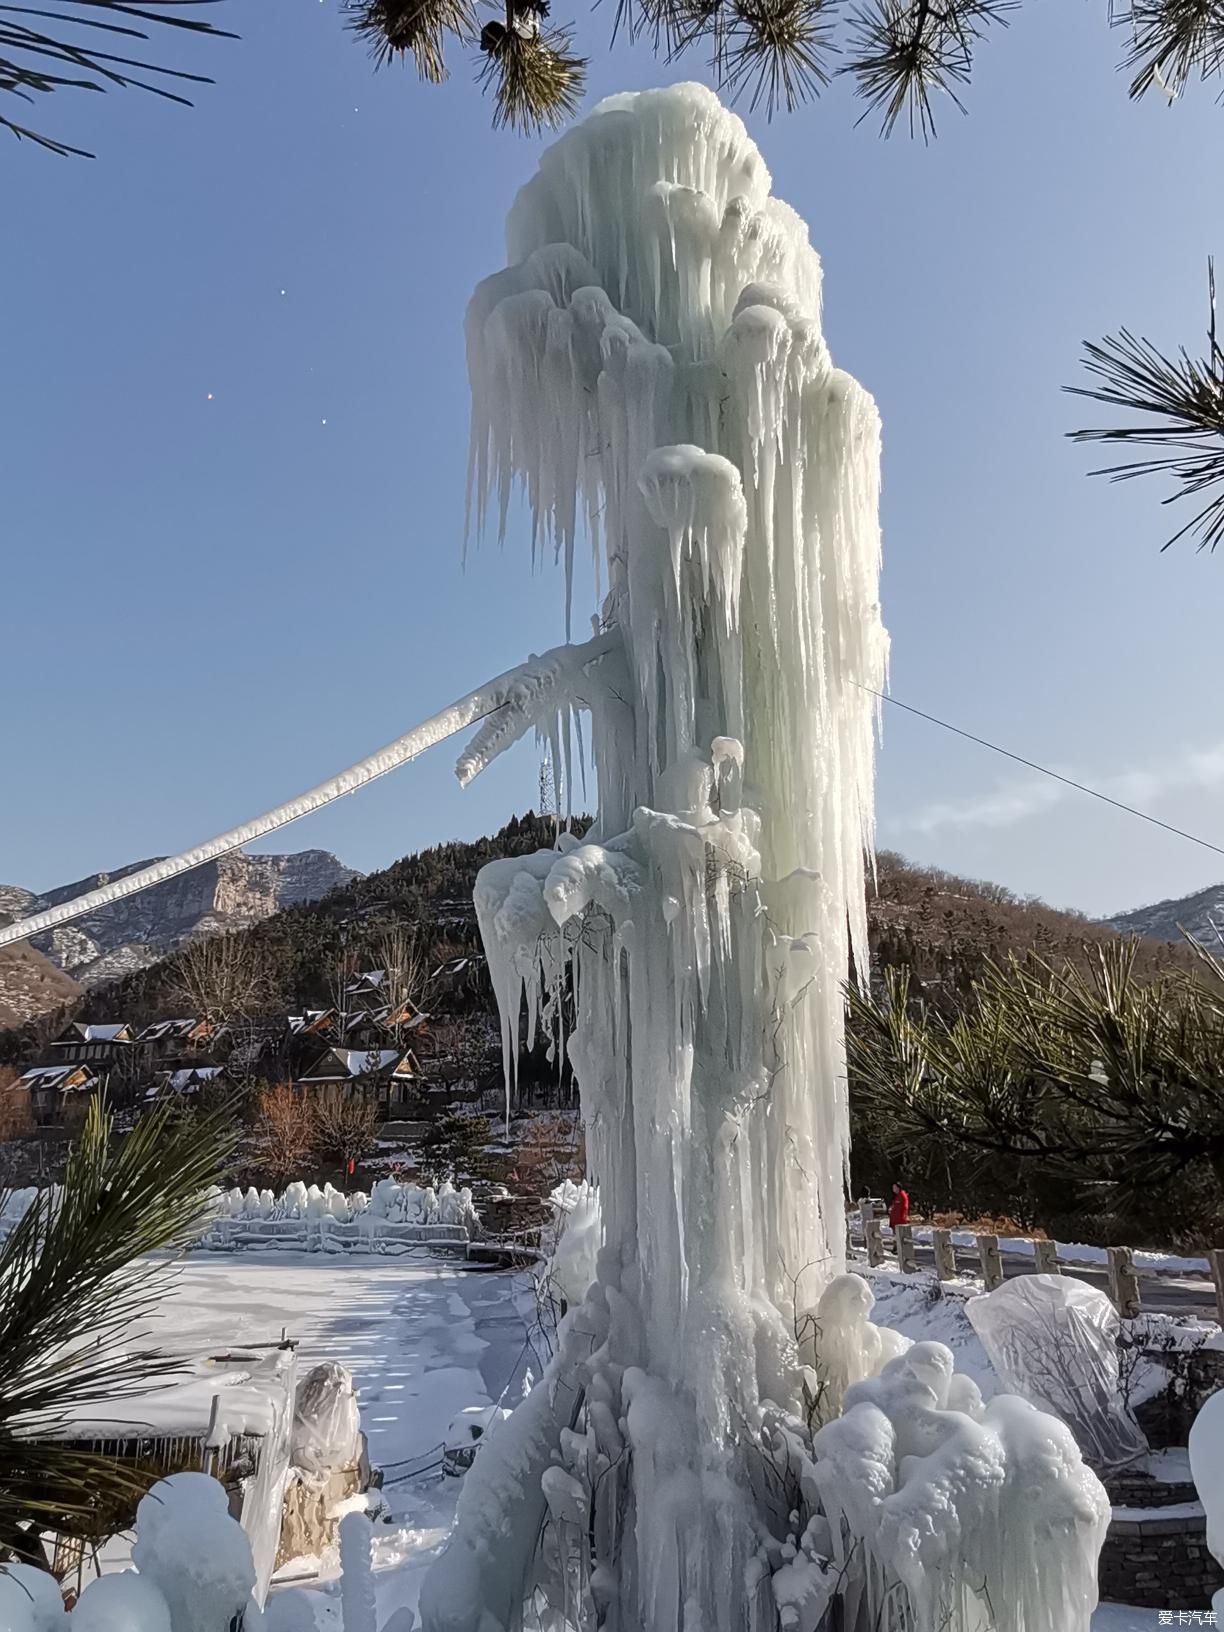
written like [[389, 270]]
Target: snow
[[188, 1547], [121, 1603], [358, 1061], [394, 1218], [426, 1346], [421, 1341], [1174, 1510], [1123, 1618]]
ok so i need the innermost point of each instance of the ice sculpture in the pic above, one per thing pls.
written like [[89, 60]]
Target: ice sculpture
[[650, 371]]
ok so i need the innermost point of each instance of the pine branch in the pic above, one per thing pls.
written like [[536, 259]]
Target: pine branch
[[1183, 397], [32, 59], [908, 50], [417, 28], [1172, 43], [776, 52], [535, 77], [74, 1283]]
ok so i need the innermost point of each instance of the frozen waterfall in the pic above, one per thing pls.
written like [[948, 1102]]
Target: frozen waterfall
[[649, 371]]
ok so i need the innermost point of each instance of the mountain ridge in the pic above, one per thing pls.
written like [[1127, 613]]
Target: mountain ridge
[[232, 892], [1199, 915]]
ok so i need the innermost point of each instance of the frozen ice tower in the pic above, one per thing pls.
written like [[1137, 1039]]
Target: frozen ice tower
[[724, 1442]]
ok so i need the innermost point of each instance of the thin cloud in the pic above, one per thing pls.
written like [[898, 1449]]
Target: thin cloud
[[1019, 801]]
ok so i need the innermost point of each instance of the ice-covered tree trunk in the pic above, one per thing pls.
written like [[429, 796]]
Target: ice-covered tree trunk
[[650, 370]]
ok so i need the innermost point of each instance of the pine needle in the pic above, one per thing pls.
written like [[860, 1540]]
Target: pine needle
[[776, 52], [908, 50], [535, 77], [1184, 399], [74, 1281], [395, 28], [36, 62]]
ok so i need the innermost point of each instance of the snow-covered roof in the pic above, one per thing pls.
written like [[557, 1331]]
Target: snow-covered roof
[[45, 1076], [369, 981], [164, 1028], [299, 1023], [56, 1076], [180, 1081], [359, 1061], [351, 1063], [82, 1031]]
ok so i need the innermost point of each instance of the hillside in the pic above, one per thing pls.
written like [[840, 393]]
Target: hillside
[[945, 928], [302, 946], [1201, 916], [31, 985], [230, 893]]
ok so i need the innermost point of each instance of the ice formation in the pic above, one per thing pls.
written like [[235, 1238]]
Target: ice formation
[[649, 372], [1207, 1466], [1054, 1340], [392, 1218], [194, 1573]]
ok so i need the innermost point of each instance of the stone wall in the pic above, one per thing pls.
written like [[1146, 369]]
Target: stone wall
[[1159, 1562]]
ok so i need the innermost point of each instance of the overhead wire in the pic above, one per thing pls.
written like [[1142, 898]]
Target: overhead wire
[[1033, 765]]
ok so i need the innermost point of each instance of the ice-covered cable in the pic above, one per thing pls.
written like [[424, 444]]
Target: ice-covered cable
[[503, 694]]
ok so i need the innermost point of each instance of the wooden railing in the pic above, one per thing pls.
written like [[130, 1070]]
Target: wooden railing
[[985, 1258]]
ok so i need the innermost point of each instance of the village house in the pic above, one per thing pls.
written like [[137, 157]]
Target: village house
[[99, 1045], [188, 1080], [383, 1076], [52, 1087], [185, 1040]]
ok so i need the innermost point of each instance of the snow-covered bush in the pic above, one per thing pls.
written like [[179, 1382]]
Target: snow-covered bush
[[1054, 1340], [1207, 1466]]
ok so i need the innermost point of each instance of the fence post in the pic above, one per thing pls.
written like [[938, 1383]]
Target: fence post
[[1216, 1258], [866, 1213], [907, 1261], [991, 1261], [875, 1242], [1123, 1282], [945, 1254], [1045, 1257]]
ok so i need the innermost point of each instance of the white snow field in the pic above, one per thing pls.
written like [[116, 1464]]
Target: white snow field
[[423, 1341]]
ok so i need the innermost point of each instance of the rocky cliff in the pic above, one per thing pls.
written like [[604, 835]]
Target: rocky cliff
[[230, 893]]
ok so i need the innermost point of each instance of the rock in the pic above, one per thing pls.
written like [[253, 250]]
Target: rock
[[229, 893]]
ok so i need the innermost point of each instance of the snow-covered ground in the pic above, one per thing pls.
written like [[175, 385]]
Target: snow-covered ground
[[423, 1341]]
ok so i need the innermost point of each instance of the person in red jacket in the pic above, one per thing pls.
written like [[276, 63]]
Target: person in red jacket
[[898, 1207]]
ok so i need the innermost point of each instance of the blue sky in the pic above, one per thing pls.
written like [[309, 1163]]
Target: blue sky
[[209, 605]]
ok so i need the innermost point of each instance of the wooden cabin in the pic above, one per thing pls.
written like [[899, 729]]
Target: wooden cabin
[[93, 1044], [385, 1076], [52, 1087]]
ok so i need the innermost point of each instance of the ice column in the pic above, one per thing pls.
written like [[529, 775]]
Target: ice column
[[649, 373]]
